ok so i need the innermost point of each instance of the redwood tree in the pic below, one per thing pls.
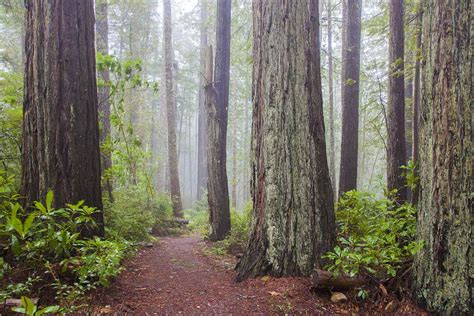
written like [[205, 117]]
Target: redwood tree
[[102, 46], [218, 97], [396, 144], [416, 102], [350, 96], [293, 218], [202, 113], [171, 112], [60, 112], [332, 154], [443, 268]]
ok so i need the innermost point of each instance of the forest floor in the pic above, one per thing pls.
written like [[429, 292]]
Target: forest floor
[[180, 275]]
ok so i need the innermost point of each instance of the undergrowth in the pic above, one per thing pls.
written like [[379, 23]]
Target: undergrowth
[[238, 236]]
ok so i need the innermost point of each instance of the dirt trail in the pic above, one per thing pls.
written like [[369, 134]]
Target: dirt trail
[[175, 277]]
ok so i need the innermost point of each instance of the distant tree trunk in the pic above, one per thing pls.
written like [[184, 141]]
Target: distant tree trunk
[[171, 112], [416, 103], [202, 113], [408, 119], [332, 159], [350, 97], [293, 217], [102, 46], [396, 147], [60, 112], [443, 268], [217, 186], [234, 166]]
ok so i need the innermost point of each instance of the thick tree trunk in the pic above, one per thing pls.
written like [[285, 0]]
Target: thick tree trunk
[[102, 46], [443, 268], [396, 145], [332, 154], [218, 190], [416, 103], [350, 97], [293, 218], [171, 112], [60, 126], [202, 113]]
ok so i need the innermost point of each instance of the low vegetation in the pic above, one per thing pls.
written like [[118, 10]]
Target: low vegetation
[[43, 249]]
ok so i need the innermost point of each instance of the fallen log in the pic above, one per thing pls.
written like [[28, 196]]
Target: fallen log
[[327, 280]]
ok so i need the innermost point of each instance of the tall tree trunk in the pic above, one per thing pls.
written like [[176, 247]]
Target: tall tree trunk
[[332, 155], [416, 102], [60, 111], [245, 187], [217, 186], [443, 268], [350, 97], [202, 113], [171, 112], [293, 217], [408, 118], [102, 46], [234, 165], [396, 147]]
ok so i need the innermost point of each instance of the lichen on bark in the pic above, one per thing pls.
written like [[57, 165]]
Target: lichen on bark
[[443, 269], [293, 217]]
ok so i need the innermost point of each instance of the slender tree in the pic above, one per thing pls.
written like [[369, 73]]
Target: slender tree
[[350, 96], [234, 166], [202, 113], [217, 185], [60, 127], [293, 218], [171, 111], [416, 101], [102, 46], [332, 158], [396, 145], [443, 269]]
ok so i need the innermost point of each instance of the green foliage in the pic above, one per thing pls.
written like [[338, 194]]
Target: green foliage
[[30, 309], [237, 239], [125, 146], [410, 175], [11, 99], [198, 217], [46, 239], [135, 212], [375, 235]]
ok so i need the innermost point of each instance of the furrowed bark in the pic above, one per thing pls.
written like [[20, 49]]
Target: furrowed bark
[[60, 112], [293, 220], [443, 268]]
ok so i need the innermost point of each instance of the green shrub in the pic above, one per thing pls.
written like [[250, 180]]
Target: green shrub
[[375, 235], [135, 212], [198, 217], [237, 239], [45, 239]]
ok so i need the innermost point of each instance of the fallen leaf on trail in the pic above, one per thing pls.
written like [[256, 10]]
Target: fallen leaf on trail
[[383, 289], [265, 278], [273, 293]]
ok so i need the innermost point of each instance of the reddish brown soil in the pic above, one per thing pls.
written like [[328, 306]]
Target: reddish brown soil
[[178, 276]]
